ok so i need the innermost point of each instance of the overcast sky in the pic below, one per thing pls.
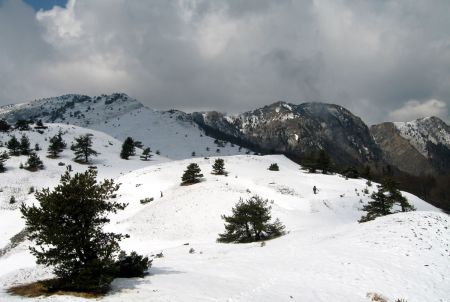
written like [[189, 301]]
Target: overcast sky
[[383, 60]]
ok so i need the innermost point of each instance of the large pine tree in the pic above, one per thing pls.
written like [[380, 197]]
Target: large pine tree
[[192, 174], [67, 228], [82, 148], [128, 148], [250, 221]]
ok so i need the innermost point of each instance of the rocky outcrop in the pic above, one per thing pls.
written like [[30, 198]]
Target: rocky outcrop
[[299, 130]]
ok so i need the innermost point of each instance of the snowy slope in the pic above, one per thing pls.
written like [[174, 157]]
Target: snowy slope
[[171, 132], [17, 182], [326, 256], [421, 131]]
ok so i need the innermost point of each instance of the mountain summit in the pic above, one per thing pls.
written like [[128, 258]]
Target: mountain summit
[[299, 130]]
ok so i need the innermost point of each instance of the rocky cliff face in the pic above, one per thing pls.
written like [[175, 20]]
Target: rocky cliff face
[[418, 147], [299, 130]]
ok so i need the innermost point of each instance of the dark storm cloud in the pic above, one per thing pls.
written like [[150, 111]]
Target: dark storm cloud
[[381, 59]]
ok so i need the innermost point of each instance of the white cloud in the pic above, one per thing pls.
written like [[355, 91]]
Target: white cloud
[[414, 109], [230, 55]]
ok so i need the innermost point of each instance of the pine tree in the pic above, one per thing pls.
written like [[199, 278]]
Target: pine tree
[[14, 146], [274, 167], [250, 221], [40, 125], [3, 157], [83, 148], [323, 161], [22, 125], [4, 126], [146, 154], [24, 145], [128, 148], [34, 163], [67, 228], [396, 196], [380, 205], [56, 146], [192, 174], [219, 167], [383, 201]]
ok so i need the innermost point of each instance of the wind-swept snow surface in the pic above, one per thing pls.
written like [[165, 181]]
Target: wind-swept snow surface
[[326, 256]]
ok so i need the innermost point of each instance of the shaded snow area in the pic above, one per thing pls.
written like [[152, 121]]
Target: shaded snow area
[[326, 255]]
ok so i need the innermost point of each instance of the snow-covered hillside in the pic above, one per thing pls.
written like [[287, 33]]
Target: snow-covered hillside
[[326, 256], [421, 131], [17, 182], [170, 132]]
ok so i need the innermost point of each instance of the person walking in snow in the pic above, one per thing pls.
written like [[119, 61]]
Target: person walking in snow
[[315, 190]]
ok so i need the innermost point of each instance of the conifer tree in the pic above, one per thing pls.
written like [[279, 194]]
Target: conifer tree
[[67, 228], [192, 174], [219, 167], [56, 146], [22, 125], [4, 126], [250, 221], [274, 167], [82, 148], [3, 157], [396, 196], [383, 201], [146, 154], [14, 146], [34, 163], [128, 148], [24, 145], [323, 161]]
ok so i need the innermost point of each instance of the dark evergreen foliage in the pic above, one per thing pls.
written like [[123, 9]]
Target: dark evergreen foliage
[[4, 126], [24, 145], [274, 167], [34, 163], [13, 146], [56, 146], [219, 167], [250, 222], [324, 161], [23, 125], [146, 154], [128, 148], [3, 157], [133, 265], [350, 172], [40, 125], [83, 148], [383, 201], [192, 174], [67, 228]]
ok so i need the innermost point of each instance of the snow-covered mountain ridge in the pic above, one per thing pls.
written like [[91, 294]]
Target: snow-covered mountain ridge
[[172, 132], [423, 131], [299, 130]]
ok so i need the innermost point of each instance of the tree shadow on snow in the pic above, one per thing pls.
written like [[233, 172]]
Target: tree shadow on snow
[[126, 284]]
